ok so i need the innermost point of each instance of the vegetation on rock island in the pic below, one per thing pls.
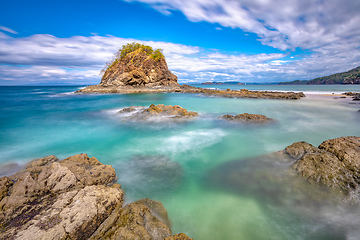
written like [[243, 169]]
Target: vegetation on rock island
[[155, 54]]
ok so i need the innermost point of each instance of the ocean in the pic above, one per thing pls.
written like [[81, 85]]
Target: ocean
[[173, 162]]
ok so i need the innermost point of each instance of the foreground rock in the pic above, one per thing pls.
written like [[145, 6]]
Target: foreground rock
[[248, 118], [75, 198], [156, 113], [301, 172]]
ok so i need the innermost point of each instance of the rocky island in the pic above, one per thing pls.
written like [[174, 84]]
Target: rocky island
[[137, 68], [76, 198]]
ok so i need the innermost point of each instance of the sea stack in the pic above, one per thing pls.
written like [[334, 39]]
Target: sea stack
[[138, 65]]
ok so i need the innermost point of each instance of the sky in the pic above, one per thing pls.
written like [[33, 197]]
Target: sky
[[68, 42]]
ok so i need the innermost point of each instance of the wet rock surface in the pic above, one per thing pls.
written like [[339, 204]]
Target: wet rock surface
[[334, 166], [247, 118], [156, 113], [243, 93], [317, 185], [74, 198]]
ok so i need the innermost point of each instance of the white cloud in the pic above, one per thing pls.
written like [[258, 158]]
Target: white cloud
[[283, 24], [78, 60], [6, 29]]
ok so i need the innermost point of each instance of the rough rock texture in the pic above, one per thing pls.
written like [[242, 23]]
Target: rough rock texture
[[138, 69], [243, 93], [75, 198], [335, 163], [165, 112], [248, 118], [333, 167]]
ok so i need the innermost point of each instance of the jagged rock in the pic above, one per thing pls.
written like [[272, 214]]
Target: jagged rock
[[333, 165], [247, 118], [75, 198], [138, 69], [154, 112]]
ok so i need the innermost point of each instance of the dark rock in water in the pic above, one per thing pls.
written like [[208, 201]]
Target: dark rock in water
[[356, 98], [147, 174], [334, 164], [247, 118], [158, 112], [75, 198]]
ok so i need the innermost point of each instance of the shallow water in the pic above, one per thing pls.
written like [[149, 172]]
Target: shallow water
[[40, 121]]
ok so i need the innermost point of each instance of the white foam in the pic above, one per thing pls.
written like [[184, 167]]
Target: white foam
[[191, 140]]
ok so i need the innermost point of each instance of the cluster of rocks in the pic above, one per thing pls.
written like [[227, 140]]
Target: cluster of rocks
[[243, 93], [248, 118], [355, 95], [163, 112], [168, 112], [75, 198], [333, 167]]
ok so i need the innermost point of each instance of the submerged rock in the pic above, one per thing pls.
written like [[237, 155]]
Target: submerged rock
[[75, 198], [147, 174], [247, 118], [332, 169], [157, 112]]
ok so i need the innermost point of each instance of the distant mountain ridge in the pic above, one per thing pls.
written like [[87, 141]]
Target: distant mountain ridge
[[350, 77]]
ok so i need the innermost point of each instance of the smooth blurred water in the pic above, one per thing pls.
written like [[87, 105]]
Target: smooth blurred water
[[40, 121]]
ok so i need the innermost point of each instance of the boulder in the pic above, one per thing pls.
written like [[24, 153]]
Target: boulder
[[75, 198], [335, 163], [247, 118], [157, 112]]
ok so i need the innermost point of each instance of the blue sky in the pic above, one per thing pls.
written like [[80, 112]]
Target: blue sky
[[68, 42]]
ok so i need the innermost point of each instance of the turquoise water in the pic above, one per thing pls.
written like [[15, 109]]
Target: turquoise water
[[40, 121]]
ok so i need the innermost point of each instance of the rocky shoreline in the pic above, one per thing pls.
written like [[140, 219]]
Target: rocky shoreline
[[243, 93], [76, 198]]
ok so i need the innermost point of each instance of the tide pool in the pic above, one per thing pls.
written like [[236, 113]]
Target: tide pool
[[40, 121]]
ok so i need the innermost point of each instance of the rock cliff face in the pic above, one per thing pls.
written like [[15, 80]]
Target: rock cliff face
[[76, 198], [138, 69]]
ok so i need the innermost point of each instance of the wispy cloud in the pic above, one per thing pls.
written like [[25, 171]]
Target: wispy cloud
[[6, 29], [283, 24]]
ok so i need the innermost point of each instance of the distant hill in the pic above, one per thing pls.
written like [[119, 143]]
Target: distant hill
[[349, 77], [296, 82]]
